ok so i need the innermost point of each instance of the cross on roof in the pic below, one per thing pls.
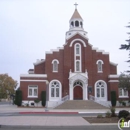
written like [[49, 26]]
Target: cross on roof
[[76, 5]]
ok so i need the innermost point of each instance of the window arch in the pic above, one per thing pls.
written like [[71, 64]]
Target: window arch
[[99, 65], [55, 65]]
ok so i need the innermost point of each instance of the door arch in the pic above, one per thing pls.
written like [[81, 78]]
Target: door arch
[[78, 90]]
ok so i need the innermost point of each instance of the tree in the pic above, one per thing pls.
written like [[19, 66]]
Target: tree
[[7, 85], [113, 98], [43, 98], [127, 47], [18, 97], [124, 82]]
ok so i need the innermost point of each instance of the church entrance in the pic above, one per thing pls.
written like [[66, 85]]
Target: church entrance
[[78, 93]]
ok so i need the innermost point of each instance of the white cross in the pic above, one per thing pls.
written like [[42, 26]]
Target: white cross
[[76, 5]]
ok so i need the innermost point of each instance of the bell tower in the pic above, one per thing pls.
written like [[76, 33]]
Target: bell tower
[[75, 24]]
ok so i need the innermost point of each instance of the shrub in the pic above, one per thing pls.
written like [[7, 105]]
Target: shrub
[[120, 102], [112, 109], [124, 103], [123, 114], [18, 97], [108, 114], [43, 98], [37, 101], [99, 116], [113, 98]]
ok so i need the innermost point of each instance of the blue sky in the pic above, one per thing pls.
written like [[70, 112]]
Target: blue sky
[[29, 28]]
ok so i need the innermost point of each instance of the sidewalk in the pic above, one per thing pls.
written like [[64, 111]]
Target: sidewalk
[[27, 120]]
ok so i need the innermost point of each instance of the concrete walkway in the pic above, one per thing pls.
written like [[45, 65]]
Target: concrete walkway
[[43, 121]]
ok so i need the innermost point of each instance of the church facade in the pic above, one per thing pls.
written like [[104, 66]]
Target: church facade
[[77, 70]]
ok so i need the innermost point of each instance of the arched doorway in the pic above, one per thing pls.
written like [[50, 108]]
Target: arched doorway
[[78, 90]]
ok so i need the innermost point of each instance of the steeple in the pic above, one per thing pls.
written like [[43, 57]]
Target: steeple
[[76, 20], [76, 24]]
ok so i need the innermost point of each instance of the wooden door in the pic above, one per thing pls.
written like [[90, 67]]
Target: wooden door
[[78, 93]]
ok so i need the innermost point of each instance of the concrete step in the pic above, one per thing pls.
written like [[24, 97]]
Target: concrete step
[[80, 104]]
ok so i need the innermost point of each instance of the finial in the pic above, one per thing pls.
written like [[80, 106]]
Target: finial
[[76, 5]]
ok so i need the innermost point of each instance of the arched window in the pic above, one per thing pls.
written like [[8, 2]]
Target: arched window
[[55, 65], [76, 23], [77, 66], [99, 65], [55, 86], [101, 90], [77, 49]]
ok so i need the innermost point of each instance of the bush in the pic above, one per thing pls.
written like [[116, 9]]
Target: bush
[[99, 116], [113, 98], [112, 109], [43, 98], [18, 97], [123, 114], [120, 102], [37, 101], [124, 103], [108, 114]]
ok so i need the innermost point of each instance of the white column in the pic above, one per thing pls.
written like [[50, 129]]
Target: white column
[[71, 91], [85, 92]]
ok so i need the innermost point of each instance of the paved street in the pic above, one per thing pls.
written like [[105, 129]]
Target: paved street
[[95, 127]]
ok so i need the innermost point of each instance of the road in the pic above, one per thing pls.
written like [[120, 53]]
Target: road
[[94, 127]]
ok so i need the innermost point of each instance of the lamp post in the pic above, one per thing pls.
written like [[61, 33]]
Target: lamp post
[[47, 93]]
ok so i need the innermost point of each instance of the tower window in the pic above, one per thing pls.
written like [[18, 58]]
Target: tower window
[[77, 49], [72, 24], [81, 24], [77, 23]]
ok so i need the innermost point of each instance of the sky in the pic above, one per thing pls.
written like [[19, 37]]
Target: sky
[[29, 28]]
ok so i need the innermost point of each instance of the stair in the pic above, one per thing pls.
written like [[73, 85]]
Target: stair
[[80, 104]]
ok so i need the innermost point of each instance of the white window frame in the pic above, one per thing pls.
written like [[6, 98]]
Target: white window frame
[[53, 67], [32, 87], [122, 96], [60, 91], [100, 71], [79, 54]]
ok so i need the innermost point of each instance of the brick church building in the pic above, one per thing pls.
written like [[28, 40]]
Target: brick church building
[[77, 71]]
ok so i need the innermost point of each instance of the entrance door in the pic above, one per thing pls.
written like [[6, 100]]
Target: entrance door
[[78, 93]]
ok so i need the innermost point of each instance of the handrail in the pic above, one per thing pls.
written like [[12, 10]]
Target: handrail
[[65, 98], [92, 98]]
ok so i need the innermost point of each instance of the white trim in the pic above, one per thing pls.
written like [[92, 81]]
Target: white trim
[[39, 62], [34, 75], [97, 50], [113, 76], [99, 61], [113, 81], [113, 64], [24, 80], [84, 44], [55, 60], [54, 50], [105, 91], [123, 96]]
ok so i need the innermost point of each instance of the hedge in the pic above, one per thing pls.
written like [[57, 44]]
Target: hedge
[[113, 98], [43, 98]]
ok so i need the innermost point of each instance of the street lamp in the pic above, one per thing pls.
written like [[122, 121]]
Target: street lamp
[[47, 94]]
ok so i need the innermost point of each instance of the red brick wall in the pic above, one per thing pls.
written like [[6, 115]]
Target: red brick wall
[[39, 69], [24, 88], [113, 69]]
